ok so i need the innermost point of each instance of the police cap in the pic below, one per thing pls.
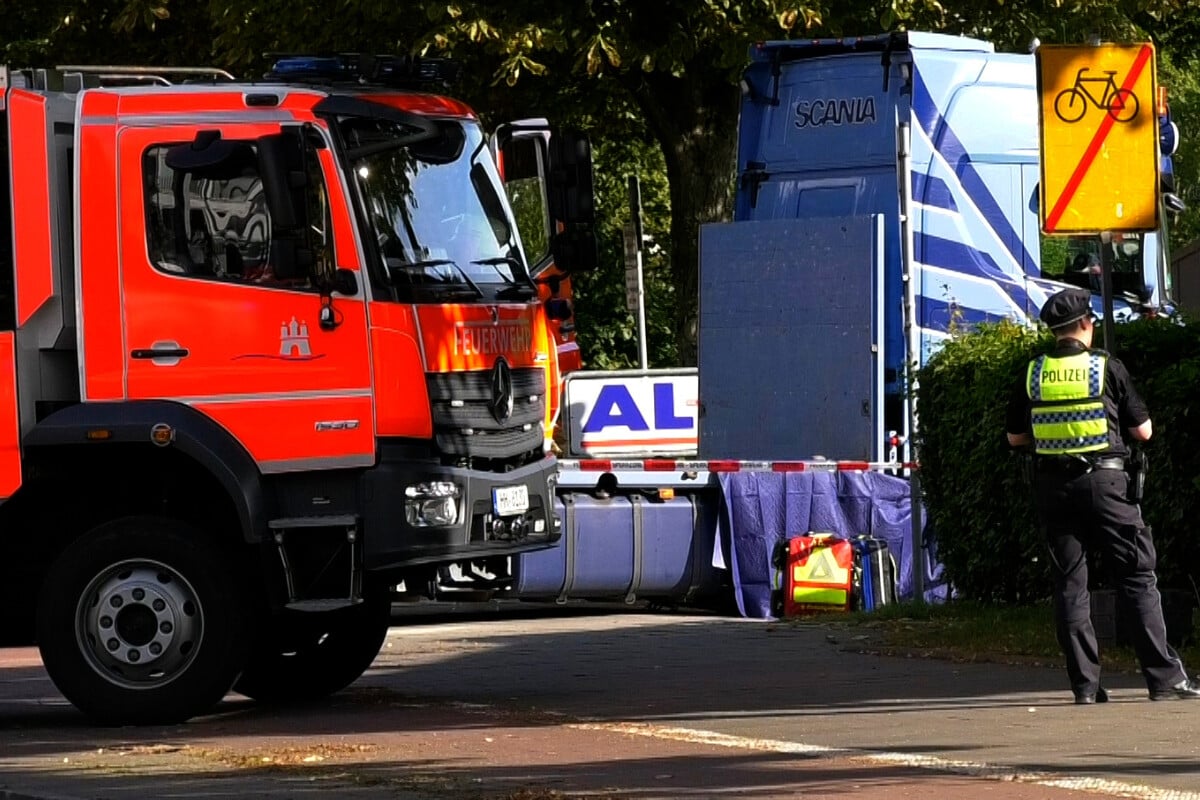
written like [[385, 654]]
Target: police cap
[[1066, 307]]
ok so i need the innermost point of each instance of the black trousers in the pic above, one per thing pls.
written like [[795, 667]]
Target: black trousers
[[1085, 512]]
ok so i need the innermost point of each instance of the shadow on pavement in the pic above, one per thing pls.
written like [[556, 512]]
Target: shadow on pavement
[[520, 677]]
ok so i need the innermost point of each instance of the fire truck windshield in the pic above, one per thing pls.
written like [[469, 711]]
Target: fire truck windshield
[[440, 220]]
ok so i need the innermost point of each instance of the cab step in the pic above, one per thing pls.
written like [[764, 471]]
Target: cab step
[[318, 606], [327, 521], [309, 534]]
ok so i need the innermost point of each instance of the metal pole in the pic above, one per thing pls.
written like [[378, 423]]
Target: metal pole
[[641, 311], [1163, 267], [635, 214], [1106, 287], [909, 277], [912, 361], [918, 539]]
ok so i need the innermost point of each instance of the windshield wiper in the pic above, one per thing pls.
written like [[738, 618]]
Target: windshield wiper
[[515, 288], [435, 262]]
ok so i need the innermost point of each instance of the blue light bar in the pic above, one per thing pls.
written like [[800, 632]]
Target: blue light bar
[[310, 66], [365, 69]]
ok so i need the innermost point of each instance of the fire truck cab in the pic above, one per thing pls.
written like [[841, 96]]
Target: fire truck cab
[[268, 350]]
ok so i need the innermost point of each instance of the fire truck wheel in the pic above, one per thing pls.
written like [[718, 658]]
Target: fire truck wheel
[[314, 654], [140, 622]]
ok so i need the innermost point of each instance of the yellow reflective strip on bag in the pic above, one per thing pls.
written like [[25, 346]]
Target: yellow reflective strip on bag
[[813, 596]]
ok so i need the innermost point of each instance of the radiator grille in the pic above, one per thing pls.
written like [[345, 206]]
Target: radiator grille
[[463, 422]]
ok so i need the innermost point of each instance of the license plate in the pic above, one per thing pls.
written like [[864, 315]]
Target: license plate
[[508, 500]]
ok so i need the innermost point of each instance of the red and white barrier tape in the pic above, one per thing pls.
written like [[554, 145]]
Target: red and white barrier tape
[[673, 465]]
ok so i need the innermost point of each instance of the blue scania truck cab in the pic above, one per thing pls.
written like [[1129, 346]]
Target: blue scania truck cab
[[928, 145]]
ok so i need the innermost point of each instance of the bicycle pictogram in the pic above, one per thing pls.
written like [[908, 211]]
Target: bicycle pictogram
[[1072, 104]]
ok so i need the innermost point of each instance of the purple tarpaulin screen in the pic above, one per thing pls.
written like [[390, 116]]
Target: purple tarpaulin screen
[[765, 508]]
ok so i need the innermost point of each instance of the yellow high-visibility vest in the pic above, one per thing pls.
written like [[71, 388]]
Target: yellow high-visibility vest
[[1068, 403]]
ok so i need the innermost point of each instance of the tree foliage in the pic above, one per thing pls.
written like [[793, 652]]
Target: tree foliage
[[664, 73], [978, 499]]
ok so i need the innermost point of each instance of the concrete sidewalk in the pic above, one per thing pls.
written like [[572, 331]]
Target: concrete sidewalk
[[624, 705], [809, 685]]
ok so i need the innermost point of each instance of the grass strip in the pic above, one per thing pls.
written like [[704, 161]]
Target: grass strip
[[968, 631]]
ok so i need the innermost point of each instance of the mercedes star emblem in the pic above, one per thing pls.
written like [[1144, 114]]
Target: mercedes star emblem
[[502, 391]]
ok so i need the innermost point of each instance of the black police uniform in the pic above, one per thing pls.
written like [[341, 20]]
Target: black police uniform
[[1084, 502]]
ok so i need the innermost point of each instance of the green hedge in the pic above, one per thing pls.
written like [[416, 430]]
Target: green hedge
[[977, 498]]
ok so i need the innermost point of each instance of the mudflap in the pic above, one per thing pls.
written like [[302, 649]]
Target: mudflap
[[10, 419]]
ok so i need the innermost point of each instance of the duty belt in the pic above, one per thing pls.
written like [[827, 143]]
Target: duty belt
[[1080, 464]]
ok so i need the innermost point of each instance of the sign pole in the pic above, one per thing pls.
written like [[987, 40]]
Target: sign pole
[[635, 284], [918, 542], [641, 312], [1106, 286]]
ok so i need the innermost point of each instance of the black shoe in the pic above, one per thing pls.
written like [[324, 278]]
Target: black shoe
[[1184, 690], [1087, 698]]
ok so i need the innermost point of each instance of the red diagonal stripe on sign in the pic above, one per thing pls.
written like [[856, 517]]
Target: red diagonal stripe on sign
[[1093, 150]]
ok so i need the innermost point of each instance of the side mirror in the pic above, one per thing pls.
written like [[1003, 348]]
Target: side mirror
[[572, 198], [574, 249], [345, 282], [558, 308], [572, 202], [281, 166]]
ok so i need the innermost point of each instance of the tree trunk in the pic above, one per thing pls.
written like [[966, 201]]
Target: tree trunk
[[694, 117]]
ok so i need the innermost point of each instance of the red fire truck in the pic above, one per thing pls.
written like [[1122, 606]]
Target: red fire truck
[[268, 350]]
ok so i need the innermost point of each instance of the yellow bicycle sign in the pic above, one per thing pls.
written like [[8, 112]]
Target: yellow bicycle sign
[[1098, 138], [1072, 104]]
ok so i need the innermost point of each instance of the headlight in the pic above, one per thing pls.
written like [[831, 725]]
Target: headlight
[[433, 504], [420, 491]]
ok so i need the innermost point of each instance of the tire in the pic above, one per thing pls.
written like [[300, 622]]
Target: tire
[[1074, 107], [310, 655], [174, 647]]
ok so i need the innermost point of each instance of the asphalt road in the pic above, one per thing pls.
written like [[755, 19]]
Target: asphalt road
[[629, 705]]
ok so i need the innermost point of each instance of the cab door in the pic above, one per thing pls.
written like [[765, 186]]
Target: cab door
[[220, 314]]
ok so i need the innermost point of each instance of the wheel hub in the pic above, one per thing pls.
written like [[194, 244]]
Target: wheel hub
[[140, 624]]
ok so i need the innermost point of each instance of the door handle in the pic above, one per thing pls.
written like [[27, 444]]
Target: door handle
[[173, 352], [161, 354]]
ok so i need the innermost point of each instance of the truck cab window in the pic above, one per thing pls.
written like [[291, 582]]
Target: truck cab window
[[213, 222], [523, 167], [1076, 260], [319, 230]]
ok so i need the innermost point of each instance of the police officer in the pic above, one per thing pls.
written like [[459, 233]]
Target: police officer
[[1074, 407]]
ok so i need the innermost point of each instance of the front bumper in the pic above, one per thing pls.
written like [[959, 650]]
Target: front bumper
[[390, 541]]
